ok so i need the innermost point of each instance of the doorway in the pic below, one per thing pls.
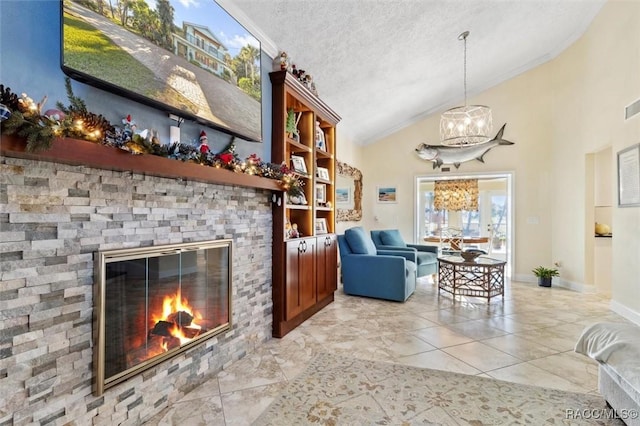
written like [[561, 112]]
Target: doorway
[[492, 221]]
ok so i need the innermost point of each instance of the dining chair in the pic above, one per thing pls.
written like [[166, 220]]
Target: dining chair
[[451, 241]]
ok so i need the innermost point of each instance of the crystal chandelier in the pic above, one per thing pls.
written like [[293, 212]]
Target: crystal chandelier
[[468, 124]]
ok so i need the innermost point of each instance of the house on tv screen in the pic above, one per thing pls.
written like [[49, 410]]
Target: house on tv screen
[[199, 45]]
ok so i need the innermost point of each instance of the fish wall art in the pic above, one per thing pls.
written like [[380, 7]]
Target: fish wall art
[[442, 154]]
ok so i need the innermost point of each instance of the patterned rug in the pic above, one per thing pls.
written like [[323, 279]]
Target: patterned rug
[[337, 390]]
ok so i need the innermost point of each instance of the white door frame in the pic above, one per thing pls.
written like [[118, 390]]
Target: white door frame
[[509, 176]]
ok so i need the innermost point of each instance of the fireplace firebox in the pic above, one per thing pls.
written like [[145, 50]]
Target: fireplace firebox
[[153, 303]]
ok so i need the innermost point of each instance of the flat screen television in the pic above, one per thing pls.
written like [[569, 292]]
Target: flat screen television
[[187, 58]]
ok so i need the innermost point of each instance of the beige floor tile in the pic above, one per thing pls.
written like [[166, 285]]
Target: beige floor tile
[[570, 331], [519, 347], [444, 317], [438, 360], [507, 324], [243, 407], [476, 330], [441, 336], [529, 374], [293, 356], [251, 371], [200, 411], [548, 337], [537, 319], [400, 344], [481, 356], [207, 389], [405, 322], [573, 367]]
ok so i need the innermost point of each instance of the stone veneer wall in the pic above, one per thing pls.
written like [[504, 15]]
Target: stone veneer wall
[[53, 219]]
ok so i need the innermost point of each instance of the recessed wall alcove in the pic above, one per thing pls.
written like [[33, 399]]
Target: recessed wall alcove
[[56, 216]]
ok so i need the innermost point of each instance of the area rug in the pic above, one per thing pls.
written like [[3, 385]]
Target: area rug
[[339, 390]]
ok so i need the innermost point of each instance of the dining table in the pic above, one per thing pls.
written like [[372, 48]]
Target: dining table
[[454, 242]]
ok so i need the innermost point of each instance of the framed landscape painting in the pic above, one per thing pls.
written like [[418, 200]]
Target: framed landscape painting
[[386, 194], [343, 195]]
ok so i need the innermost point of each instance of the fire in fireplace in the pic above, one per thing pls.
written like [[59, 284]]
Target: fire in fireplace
[[154, 303]]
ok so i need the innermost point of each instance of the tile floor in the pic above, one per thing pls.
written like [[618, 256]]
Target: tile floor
[[527, 338]]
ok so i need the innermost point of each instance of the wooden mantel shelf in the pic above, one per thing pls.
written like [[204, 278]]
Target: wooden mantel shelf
[[82, 153]]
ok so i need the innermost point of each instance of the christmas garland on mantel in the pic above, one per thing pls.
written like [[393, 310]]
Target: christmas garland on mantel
[[23, 117]]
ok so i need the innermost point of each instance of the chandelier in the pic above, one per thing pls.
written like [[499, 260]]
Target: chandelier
[[468, 124], [456, 195]]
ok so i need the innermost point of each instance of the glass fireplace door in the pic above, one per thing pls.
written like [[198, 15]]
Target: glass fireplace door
[[155, 303]]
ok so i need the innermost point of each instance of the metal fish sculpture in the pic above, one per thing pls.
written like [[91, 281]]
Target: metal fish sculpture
[[442, 154]]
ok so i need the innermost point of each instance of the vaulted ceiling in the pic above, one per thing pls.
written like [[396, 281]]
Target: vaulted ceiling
[[385, 64]]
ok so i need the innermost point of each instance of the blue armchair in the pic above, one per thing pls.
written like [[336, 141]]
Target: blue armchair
[[427, 256], [381, 274]]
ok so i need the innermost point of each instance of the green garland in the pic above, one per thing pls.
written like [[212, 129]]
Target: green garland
[[75, 121], [38, 136]]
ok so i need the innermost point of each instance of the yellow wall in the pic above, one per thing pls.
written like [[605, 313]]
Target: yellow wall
[[522, 103], [556, 114], [349, 153], [592, 82]]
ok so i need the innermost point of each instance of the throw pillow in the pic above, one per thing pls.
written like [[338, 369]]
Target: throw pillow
[[392, 238], [359, 241]]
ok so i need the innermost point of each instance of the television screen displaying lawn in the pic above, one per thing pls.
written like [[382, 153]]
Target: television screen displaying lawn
[[191, 59]]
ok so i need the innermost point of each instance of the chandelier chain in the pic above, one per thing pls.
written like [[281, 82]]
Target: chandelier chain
[[465, 70]]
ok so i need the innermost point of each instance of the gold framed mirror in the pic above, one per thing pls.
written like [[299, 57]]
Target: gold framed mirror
[[348, 193]]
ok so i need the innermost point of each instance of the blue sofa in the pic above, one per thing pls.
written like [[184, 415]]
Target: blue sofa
[[427, 256], [369, 272]]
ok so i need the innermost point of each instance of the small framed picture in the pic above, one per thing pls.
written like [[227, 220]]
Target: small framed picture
[[298, 164], [321, 225], [323, 173], [386, 194], [321, 193], [629, 176], [343, 195]]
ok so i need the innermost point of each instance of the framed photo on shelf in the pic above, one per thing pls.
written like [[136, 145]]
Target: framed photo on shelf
[[298, 164], [386, 194], [629, 176], [321, 225], [321, 193], [323, 173], [343, 195]]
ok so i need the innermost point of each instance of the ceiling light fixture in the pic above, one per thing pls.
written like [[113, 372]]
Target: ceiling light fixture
[[468, 124]]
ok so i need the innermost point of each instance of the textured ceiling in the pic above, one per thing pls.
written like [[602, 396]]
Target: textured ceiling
[[384, 64]]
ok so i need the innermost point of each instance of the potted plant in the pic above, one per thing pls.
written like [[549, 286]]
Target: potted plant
[[545, 275]]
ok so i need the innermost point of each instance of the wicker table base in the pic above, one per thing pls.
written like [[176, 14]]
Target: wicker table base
[[482, 277]]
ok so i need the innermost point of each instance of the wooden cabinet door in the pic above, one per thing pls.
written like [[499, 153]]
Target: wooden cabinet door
[[327, 265], [300, 292]]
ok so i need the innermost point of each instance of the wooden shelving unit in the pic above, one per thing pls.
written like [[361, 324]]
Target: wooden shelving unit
[[305, 267]]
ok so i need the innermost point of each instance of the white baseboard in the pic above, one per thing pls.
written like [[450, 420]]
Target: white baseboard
[[625, 312], [557, 282], [579, 287], [524, 278]]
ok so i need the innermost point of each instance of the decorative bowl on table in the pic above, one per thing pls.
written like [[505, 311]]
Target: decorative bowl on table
[[470, 256]]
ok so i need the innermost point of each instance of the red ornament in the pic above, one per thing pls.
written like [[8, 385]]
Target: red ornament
[[226, 158]]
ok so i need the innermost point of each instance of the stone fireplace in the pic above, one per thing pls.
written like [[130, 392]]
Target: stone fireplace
[[153, 303], [54, 220]]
